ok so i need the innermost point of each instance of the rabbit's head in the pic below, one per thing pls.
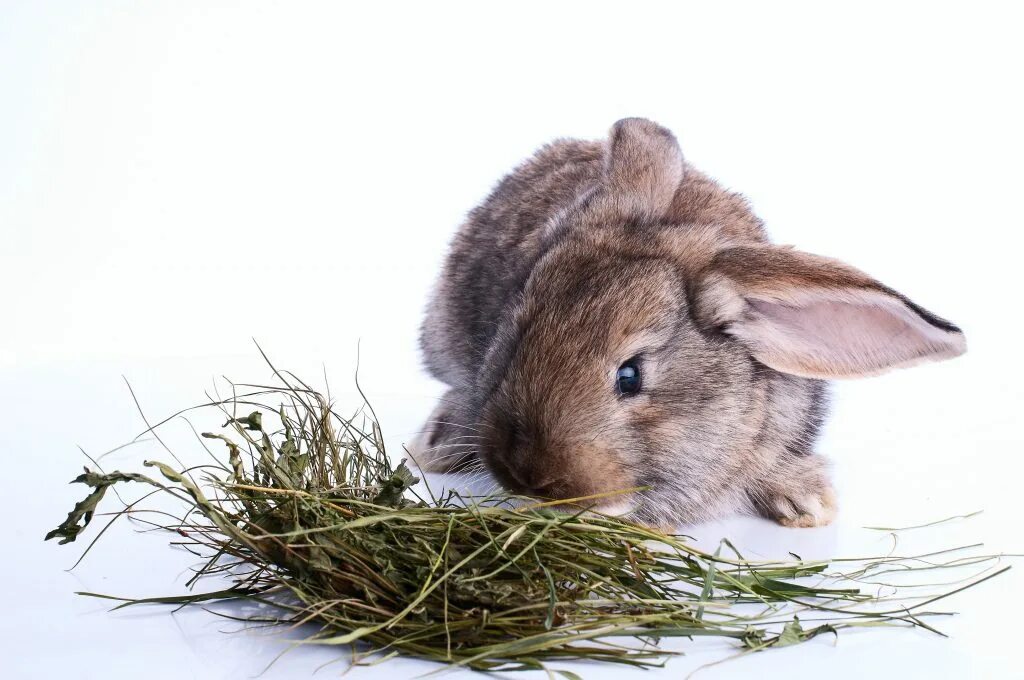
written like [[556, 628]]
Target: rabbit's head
[[645, 353]]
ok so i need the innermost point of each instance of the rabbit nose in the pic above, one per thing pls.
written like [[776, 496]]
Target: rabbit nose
[[521, 453], [535, 482]]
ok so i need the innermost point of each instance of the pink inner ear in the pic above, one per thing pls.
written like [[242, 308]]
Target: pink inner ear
[[824, 336]]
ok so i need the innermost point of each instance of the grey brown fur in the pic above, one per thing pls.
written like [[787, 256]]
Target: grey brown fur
[[595, 252]]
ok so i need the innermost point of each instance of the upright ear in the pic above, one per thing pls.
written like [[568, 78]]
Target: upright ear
[[643, 167], [816, 317]]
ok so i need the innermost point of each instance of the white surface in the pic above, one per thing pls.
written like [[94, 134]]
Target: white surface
[[176, 178]]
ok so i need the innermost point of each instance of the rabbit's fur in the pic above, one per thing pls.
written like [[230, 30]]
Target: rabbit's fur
[[595, 252]]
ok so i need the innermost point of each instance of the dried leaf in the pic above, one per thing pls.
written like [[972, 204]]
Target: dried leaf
[[84, 509]]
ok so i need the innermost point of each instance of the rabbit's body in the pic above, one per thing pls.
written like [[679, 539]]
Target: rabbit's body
[[596, 261]]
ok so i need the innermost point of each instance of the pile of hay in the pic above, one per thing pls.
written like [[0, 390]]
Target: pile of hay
[[304, 510]]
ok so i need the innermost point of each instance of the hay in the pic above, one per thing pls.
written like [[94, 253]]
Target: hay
[[305, 512]]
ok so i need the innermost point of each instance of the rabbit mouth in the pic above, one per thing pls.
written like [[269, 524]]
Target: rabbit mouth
[[622, 507]]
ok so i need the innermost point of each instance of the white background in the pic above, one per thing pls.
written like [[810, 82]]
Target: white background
[[178, 178]]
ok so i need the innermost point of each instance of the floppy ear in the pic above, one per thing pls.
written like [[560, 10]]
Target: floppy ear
[[643, 167], [816, 317]]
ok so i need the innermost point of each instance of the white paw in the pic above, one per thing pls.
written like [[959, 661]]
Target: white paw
[[815, 509]]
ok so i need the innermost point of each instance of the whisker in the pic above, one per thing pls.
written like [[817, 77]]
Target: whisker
[[458, 456], [438, 447], [446, 422], [465, 467]]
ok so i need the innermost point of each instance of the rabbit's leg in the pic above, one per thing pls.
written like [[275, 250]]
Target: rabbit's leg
[[445, 443], [797, 492]]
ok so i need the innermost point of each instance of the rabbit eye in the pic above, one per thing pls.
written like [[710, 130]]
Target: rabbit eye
[[627, 378]]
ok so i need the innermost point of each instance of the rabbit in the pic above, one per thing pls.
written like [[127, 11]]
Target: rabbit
[[611, 320]]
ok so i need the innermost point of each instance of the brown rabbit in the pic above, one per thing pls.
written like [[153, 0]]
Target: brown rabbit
[[611, 318]]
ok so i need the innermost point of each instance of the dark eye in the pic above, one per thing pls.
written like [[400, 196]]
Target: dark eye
[[627, 378]]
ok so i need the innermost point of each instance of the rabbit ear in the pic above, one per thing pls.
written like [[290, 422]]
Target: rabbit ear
[[816, 317], [643, 167]]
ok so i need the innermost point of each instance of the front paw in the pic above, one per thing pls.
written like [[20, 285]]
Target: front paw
[[814, 509], [797, 496]]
